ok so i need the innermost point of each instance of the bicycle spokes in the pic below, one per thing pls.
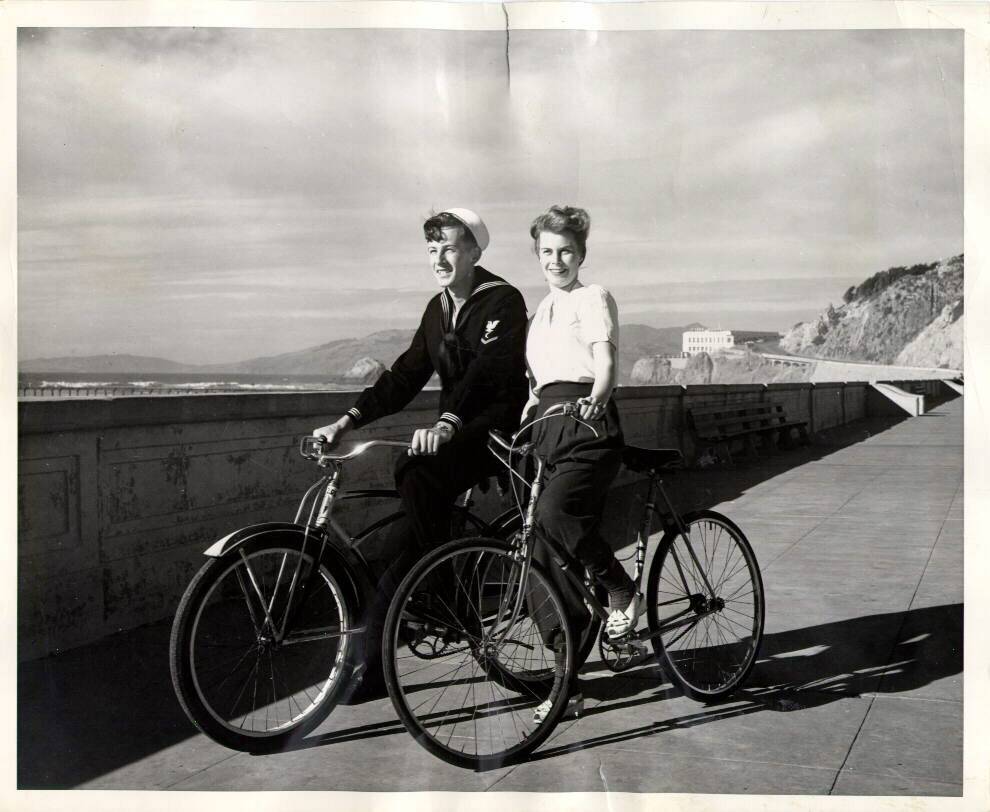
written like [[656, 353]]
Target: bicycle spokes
[[709, 605], [474, 696], [250, 678]]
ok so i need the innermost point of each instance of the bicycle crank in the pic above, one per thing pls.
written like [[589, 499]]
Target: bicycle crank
[[621, 655]]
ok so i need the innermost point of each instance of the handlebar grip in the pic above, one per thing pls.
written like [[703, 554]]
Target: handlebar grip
[[567, 408], [310, 447]]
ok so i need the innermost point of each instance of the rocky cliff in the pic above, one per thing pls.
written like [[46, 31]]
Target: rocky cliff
[[888, 312], [365, 371], [940, 344], [719, 367]]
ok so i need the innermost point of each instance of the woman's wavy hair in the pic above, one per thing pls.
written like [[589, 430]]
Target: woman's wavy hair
[[561, 219]]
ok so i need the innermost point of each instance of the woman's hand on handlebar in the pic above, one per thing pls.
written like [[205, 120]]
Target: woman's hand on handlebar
[[590, 408], [334, 432]]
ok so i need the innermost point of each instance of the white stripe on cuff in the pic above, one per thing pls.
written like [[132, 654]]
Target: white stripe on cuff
[[355, 413], [453, 419]]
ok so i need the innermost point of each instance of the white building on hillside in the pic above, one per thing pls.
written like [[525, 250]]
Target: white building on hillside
[[695, 341]]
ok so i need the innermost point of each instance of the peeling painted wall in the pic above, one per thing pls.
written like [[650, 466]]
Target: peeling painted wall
[[117, 498]]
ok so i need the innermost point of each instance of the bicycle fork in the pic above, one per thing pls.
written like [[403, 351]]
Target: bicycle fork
[[297, 584], [522, 553]]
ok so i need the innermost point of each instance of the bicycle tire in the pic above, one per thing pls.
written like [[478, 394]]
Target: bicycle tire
[[213, 631], [710, 655], [586, 638], [438, 702], [586, 644]]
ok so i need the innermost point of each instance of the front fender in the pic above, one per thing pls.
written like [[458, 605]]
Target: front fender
[[349, 565], [234, 540]]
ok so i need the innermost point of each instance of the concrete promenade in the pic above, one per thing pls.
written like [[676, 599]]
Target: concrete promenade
[[858, 690]]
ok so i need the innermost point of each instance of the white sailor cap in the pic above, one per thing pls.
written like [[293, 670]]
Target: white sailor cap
[[473, 223]]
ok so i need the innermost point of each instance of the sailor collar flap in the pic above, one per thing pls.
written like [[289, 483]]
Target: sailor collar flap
[[485, 280]]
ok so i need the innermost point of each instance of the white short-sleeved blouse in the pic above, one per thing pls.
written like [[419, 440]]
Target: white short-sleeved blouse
[[565, 325]]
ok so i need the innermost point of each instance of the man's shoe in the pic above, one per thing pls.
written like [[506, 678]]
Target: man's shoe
[[575, 707], [623, 621]]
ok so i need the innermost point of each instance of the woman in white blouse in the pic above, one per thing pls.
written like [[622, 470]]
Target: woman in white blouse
[[571, 354]]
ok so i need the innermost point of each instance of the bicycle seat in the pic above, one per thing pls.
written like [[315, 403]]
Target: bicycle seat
[[644, 460]]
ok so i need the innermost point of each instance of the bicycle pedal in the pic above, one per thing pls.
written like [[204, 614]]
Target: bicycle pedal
[[623, 654], [635, 654]]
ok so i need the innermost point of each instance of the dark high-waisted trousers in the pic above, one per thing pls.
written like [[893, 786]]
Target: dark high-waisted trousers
[[580, 468], [428, 486]]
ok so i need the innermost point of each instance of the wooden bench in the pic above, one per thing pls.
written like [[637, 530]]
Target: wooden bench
[[721, 425]]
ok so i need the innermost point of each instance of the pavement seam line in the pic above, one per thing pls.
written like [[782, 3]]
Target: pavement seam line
[[696, 756], [885, 697], [822, 519], [561, 728], [202, 770], [852, 744], [900, 630], [792, 545]]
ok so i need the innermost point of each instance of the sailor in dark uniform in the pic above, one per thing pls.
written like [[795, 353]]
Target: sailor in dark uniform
[[473, 333]]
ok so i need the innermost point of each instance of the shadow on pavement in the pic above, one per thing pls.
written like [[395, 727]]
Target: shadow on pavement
[[98, 714], [701, 488], [92, 710], [799, 669], [697, 489]]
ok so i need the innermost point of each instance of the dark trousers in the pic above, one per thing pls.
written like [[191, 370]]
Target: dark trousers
[[428, 485], [579, 470]]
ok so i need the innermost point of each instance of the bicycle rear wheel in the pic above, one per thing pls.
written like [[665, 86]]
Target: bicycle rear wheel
[[470, 703], [235, 680], [710, 640]]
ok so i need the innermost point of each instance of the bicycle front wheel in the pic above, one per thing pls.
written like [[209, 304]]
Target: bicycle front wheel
[[469, 702], [242, 681], [705, 606]]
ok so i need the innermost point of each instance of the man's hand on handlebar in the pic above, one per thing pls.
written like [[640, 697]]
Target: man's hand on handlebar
[[334, 432], [428, 441]]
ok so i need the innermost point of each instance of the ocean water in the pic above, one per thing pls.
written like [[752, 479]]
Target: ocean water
[[82, 384]]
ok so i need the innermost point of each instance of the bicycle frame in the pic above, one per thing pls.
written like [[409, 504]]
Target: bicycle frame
[[571, 568], [522, 549], [332, 538]]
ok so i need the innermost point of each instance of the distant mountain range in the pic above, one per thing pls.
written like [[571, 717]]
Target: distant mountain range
[[107, 364], [901, 315], [340, 360]]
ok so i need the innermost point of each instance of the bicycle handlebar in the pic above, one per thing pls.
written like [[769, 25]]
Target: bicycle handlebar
[[311, 448], [566, 409]]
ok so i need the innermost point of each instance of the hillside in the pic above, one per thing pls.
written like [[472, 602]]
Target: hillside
[[334, 359], [885, 314], [940, 344], [344, 359], [107, 364]]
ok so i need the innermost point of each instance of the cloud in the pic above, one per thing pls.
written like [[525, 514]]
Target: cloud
[[182, 183]]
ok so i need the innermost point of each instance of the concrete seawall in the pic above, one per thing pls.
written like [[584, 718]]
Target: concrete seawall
[[118, 497]]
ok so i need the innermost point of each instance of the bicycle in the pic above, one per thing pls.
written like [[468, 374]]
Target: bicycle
[[506, 647], [268, 636]]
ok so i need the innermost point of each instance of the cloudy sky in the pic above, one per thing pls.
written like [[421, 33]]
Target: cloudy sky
[[208, 195]]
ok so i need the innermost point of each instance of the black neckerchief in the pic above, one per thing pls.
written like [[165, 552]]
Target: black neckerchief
[[483, 280], [453, 354]]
